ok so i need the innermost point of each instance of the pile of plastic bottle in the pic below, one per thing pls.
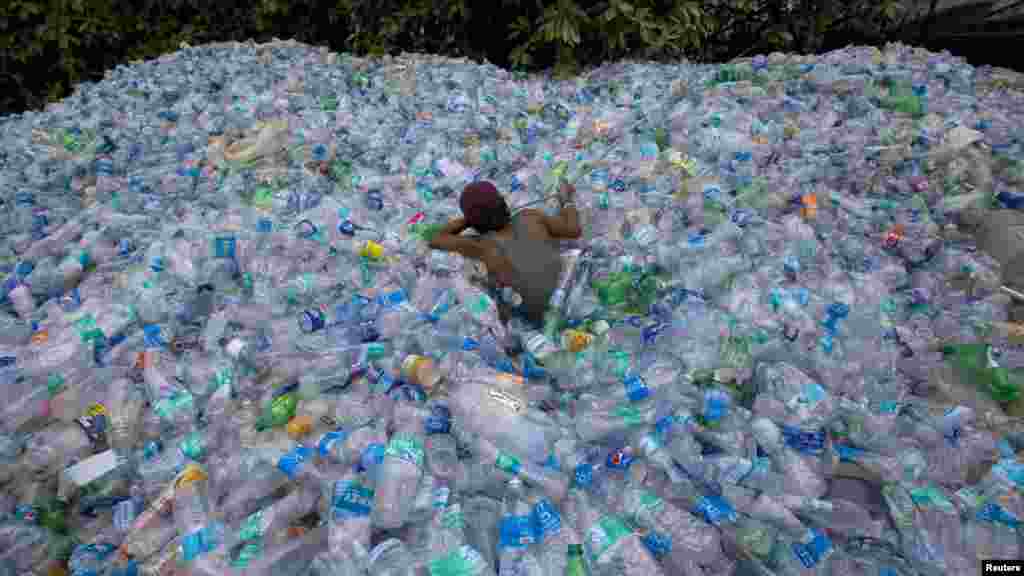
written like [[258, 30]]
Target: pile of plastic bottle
[[225, 347]]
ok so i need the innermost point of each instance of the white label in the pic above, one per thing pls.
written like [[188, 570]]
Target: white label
[[513, 403], [91, 468]]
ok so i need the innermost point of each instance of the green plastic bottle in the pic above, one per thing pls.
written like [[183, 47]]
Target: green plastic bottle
[[977, 365], [575, 566]]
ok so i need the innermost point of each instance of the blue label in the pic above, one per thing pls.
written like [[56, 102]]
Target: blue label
[[393, 299], [516, 532], [151, 337], [696, 239], [291, 462], [814, 551], [995, 513], [804, 441], [716, 405], [1005, 449], [636, 388], [658, 544], [715, 510], [583, 475], [224, 247], [196, 544], [546, 520], [439, 421], [848, 453], [351, 499], [371, 457], [1013, 469], [664, 424], [468, 344], [888, 407], [328, 440]]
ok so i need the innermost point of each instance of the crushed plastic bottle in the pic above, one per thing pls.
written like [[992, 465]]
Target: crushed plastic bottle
[[227, 349]]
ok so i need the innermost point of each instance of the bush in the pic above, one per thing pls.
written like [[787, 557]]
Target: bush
[[47, 48]]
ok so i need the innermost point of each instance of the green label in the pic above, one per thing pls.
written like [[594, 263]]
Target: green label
[[167, 407], [252, 527], [619, 360], [247, 554], [54, 384], [480, 305], [605, 533], [194, 446], [223, 377], [263, 197], [630, 415], [465, 561], [929, 496], [406, 447], [507, 463], [453, 518]]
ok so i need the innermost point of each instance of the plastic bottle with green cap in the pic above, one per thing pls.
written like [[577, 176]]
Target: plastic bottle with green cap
[[976, 363]]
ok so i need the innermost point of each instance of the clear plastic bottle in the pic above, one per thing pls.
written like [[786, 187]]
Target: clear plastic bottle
[[400, 471]]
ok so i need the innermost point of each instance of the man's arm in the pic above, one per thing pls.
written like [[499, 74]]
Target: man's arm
[[566, 224], [448, 240]]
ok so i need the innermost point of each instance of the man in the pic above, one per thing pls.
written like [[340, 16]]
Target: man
[[519, 250]]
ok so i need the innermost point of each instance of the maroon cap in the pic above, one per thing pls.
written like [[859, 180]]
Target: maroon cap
[[480, 201]]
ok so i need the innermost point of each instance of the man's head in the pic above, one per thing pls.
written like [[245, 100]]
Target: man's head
[[484, 208]]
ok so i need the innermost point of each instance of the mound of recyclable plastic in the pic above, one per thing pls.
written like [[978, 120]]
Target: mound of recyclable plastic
[[225, 347]]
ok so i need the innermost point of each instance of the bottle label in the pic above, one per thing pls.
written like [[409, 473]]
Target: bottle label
[[716, 405], [515, 405], [196, 544], [516, 532], [546, 520], [630, 415], [224, 247], [658, 544], [804, 441], [351, 500], [193, 446], [253, 527], [453, 518], [328, 440], [636, 388], [848, 453], [406, 447], [464, 561], [817, 547], [992, 512], [620, 459], [605, 533], [439, 421], [930, 496], [371, 457], [715, 510], [507, 463], [583, 475], [291, 462]]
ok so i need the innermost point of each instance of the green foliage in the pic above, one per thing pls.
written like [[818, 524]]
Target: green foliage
[[49, 46]]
